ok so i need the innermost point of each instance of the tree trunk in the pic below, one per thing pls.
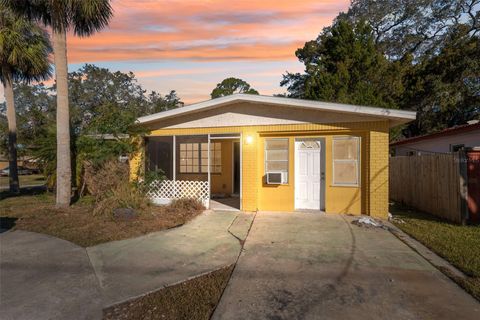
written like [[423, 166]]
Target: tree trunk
[[64, 174], [12, 136]]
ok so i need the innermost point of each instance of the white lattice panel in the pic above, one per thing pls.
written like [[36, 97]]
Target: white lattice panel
[[162, 192]]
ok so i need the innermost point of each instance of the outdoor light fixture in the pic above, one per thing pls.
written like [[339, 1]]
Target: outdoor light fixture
[[248, 139]]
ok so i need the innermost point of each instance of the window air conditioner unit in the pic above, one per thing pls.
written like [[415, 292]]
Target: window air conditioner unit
[[276, 177]]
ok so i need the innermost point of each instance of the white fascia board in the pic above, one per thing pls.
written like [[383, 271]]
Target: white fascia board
[[396, 116]]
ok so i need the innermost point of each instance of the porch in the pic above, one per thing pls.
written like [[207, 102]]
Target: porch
[[203, 167]]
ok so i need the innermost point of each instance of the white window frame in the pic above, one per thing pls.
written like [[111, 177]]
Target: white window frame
[[288, 158], [359, 146]]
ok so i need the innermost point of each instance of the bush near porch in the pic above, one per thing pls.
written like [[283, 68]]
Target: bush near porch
[[459, 245]]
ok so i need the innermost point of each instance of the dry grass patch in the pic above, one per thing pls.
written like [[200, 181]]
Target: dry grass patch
[[193, 299], [80, 225]]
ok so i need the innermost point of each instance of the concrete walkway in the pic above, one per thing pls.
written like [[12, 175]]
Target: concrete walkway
[[43, 277], [132, 267], [310, 266]]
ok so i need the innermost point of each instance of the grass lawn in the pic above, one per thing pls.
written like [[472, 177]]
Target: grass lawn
[[37, 213], [25, 180], [460, 245], [193, 299]]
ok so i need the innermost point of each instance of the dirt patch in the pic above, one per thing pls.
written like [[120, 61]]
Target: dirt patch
[[192, 299], [78, 224]]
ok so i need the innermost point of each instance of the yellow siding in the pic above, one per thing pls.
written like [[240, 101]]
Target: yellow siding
[[337, 199], [370, 198], [378, 173], [136, 160]]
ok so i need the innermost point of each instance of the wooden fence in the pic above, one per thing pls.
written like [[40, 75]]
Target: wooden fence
[[430, 183]]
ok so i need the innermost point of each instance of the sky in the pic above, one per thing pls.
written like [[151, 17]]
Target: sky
[[191, 45]]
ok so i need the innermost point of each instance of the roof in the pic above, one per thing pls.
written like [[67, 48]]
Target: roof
[[446, 132], [396, 117]]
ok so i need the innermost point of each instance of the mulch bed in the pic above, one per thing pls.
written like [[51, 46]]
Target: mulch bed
[[192, 299], [78, 224]]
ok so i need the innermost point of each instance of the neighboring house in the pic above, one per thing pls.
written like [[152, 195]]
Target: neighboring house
[[445, 141], [28, 162], [276, 154]]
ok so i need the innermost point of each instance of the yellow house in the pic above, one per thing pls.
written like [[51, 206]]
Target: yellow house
[[262, 153]]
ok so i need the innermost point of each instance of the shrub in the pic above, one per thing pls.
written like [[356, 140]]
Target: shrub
[[182, 209], [186, 204], [110, 185]]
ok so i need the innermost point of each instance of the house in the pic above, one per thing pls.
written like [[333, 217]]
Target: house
[[445, 141], [272, 154]]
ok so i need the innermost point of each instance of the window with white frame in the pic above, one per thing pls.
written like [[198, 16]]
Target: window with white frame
[[345, 155], [276, 156], [194, 157]]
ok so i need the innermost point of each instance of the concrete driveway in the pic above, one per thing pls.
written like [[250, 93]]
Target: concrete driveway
[[308, 266]]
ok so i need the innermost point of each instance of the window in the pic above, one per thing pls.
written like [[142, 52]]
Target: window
[[194, 157], [276, 156], [456, 147], [189, 158], [346, 153]]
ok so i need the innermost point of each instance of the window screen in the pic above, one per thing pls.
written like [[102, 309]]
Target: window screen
[[346, 152], [276, 156]]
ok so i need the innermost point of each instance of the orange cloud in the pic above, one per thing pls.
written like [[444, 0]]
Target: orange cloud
[[206, 30]]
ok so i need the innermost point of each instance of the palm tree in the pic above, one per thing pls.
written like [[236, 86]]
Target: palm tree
[[83, 17], [24, 51]]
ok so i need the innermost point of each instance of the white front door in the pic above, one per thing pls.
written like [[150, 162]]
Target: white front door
[[307, 174]]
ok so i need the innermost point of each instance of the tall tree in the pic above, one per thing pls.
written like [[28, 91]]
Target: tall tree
[[344, 65], [101, 102], [24, 51], [445, 89], [98, 92], [83, 17], [414, 27], [231, 86]]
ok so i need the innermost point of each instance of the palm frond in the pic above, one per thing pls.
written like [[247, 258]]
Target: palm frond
[[84, 17], [24, 49]]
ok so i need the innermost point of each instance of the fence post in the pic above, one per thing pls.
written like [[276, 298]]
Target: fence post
[[463, 180]]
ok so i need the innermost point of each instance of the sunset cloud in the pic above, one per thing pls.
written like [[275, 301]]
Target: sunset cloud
[[192, 44], [212, 30]]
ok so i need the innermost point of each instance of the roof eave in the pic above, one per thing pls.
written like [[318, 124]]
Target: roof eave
[[395, 117]]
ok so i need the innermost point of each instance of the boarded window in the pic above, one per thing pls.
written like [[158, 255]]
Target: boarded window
[[346, 153], [276, 156]]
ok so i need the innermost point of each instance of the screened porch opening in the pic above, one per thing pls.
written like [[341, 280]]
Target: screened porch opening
[[204, 167]]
